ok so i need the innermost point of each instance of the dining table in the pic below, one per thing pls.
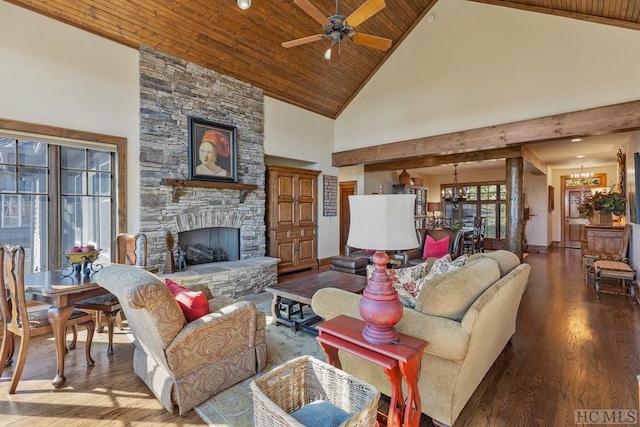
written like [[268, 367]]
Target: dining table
[[61, 293]]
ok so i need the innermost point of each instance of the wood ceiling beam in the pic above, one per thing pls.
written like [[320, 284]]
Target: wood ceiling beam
[[447, 159], [616, 22], [530, 157], [594, 121]]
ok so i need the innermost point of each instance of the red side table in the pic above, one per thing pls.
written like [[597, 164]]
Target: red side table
[[400, 361]]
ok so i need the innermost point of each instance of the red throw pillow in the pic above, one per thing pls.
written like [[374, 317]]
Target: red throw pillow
[[435, 248], [194, 304]]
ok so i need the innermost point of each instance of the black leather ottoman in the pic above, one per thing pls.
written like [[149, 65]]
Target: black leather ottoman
[[349, 264]]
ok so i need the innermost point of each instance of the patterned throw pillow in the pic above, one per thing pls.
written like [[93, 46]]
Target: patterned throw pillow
[[404, 281]]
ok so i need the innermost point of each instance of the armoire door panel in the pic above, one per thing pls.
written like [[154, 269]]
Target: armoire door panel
[[306, 214], [285, 214], [286, 187], [306, 250], [307, 188], [285, 250]]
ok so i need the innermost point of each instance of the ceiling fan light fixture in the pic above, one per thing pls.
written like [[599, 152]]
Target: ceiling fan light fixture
[[244, 4], [327, 53]]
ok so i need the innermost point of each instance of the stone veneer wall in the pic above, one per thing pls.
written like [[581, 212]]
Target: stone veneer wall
[[171, 91]]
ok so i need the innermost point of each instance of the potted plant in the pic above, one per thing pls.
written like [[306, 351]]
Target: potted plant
[[604, 203]]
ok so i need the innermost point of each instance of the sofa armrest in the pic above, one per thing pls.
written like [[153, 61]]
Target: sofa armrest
[[447, 338], [230, 330]]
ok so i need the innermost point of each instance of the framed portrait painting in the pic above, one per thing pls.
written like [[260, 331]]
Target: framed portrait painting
[[213, 151]]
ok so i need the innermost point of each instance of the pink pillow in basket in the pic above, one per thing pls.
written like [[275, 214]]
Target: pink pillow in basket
[[435, 248]]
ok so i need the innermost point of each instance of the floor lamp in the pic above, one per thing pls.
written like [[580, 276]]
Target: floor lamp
[[381, 222]]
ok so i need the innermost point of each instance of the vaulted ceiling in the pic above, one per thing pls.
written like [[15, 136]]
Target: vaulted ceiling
[[246, 44]]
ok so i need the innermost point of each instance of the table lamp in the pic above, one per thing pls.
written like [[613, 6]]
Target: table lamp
[[381, 222]]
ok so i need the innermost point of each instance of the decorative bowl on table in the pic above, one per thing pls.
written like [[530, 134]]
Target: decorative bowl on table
[[81, 262], [81, 257]]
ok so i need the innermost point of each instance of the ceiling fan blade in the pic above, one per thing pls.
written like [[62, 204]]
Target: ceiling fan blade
[[312, 11], [335, 54], [303, 40], [364, 12], [371, 41]]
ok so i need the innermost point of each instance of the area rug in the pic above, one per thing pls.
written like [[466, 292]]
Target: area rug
[[234, 406]]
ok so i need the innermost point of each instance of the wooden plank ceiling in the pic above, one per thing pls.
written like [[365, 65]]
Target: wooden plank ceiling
[[247, 44]]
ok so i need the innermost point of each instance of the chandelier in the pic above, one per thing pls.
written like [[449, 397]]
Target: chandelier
[[456, 194], [581, 175]]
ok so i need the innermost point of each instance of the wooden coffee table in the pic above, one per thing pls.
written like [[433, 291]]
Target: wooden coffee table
[[302, 290]]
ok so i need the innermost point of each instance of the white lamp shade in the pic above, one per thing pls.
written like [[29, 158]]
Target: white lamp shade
[[382, 222]]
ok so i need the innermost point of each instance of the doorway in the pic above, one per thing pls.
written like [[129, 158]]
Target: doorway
[[573, 224], [574, 191], [346, 188]]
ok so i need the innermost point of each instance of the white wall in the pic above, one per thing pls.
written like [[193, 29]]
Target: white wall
[[536, 193], [478, 65], [293, 133], [57, 75]]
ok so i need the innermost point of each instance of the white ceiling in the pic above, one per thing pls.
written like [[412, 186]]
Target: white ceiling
[[596, 151]]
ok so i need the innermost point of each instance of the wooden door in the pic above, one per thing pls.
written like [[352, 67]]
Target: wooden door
[[573, 224], [347, 188]]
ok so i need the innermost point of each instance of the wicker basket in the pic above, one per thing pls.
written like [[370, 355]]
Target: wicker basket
[[305, 379]]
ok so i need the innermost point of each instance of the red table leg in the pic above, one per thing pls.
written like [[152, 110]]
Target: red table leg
[[396, 405], [332, 355], [413, 408]]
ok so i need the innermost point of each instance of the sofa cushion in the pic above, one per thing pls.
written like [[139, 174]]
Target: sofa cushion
[[435, 248], [450, 295], [194, 304], [440, 266], [506, 260]]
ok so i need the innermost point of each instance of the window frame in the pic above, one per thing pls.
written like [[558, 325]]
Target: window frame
[[81, 139], [478, 202]]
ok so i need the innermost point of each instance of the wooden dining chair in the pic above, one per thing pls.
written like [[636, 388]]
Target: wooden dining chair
[[19, 322], [131, 250]]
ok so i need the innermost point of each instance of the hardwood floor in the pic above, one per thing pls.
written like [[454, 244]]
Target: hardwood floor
[[570, 352]]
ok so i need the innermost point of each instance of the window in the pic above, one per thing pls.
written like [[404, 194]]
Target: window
[[54, 195], [484, 200]]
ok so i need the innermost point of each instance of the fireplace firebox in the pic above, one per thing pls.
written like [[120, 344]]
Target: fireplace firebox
[[211, 244]]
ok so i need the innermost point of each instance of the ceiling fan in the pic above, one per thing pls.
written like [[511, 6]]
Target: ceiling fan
[[337, 27]]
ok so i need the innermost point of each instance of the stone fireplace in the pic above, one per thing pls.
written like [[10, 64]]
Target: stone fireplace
[[171, 91]]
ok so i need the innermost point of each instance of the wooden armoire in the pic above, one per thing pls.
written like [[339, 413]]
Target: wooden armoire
[[292, 212]]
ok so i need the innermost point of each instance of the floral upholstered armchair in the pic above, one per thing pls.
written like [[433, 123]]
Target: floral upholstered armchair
[[185, 363]]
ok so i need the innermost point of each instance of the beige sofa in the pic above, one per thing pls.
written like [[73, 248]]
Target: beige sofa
[[467, 315], [183, 363]]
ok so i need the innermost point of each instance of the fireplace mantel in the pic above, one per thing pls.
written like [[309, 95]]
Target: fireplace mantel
[[177, 184]]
